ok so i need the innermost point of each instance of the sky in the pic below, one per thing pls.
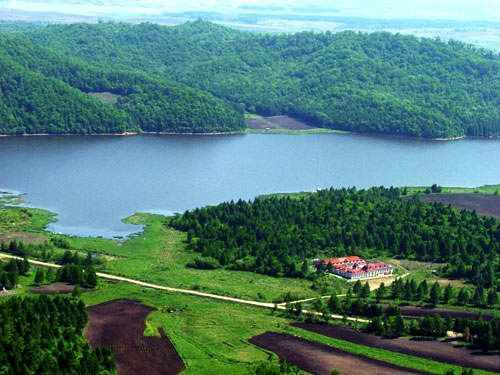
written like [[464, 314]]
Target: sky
[[389, 9]]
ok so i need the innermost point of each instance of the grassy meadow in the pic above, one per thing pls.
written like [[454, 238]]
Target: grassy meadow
[[211, 336]]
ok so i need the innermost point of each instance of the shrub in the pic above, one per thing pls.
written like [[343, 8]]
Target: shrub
[[204, 263]]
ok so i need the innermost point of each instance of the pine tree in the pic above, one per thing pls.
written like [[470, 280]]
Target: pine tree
[[492, 298], [463, 297], [380, 293], [90, 278], [77, 292], [50, 276], [435, 294], [398, 326], [357, 287], [486, 339], [304, 270], [365, 291], [479, 299], [24, 267], [88, 260], [334, 304], [407, 291], [448, 294], [423, 290], [39, 276]]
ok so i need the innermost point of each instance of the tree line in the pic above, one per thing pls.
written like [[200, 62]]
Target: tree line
[[434, 294], [76, 270], [277, 235], [388, 321], [47, 251]]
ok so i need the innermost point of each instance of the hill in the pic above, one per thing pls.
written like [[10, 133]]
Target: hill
[[44, 91], [377, 83]]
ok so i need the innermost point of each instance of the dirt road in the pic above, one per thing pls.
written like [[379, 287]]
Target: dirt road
[[107, 276]]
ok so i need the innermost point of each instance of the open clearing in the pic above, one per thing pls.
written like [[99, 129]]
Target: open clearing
[[105, 97], [277, 122], [119, 325], [55, 288], [436, 350], [322, 359], [25, 237], [483, 204]]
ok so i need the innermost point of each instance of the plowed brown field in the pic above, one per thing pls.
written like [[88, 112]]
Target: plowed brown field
[[436, 350], [119, 325], [321, 359]]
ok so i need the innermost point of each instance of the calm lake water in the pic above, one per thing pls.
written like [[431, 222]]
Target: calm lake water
[[94, 182]]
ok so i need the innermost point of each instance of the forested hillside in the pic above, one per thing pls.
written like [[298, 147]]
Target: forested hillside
[[277, 235], [42, 91], [377, 82]]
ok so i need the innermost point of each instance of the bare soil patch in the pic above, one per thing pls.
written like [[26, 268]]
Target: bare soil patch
[[436, 350], [483, 204], [277, 122], [119, 325], [321, 359], [416, 311], [25, 237], [55, 288], [106, 97]]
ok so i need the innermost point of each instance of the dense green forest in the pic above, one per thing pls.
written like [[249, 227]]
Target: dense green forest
[[43, 336], [43, 91], [10, 272], [378, 82], [277, 235]]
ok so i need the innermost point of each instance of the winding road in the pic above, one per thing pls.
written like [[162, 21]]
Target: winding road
[[110, 277]]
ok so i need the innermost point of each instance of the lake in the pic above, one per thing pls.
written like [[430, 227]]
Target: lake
[[94, 182]]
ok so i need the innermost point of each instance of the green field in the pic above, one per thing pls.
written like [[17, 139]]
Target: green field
[[486, 189], [159, 255], [211, 336]]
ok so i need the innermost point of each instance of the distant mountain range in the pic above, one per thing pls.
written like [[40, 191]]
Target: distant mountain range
[[201, 77]]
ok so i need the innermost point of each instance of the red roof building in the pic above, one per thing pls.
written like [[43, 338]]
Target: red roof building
[[355, 268]]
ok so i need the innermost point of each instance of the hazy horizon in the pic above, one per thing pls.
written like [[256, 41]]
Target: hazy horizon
[[459, 10]]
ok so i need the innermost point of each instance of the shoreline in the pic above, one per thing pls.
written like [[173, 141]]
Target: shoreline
[[195, 134], [125, 134], [283, 131], [7, 195]]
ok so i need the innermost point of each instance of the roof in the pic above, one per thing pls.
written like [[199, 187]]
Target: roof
[[348, 259], [376, 266], [355, 265]]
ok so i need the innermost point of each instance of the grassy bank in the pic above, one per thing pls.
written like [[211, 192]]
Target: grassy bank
[[212, 337], [159, 255]]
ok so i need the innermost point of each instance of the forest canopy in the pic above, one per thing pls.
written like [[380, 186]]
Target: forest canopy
[[43, 335], [201, 77], [279, 236], [377, 83], [42, 91]]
